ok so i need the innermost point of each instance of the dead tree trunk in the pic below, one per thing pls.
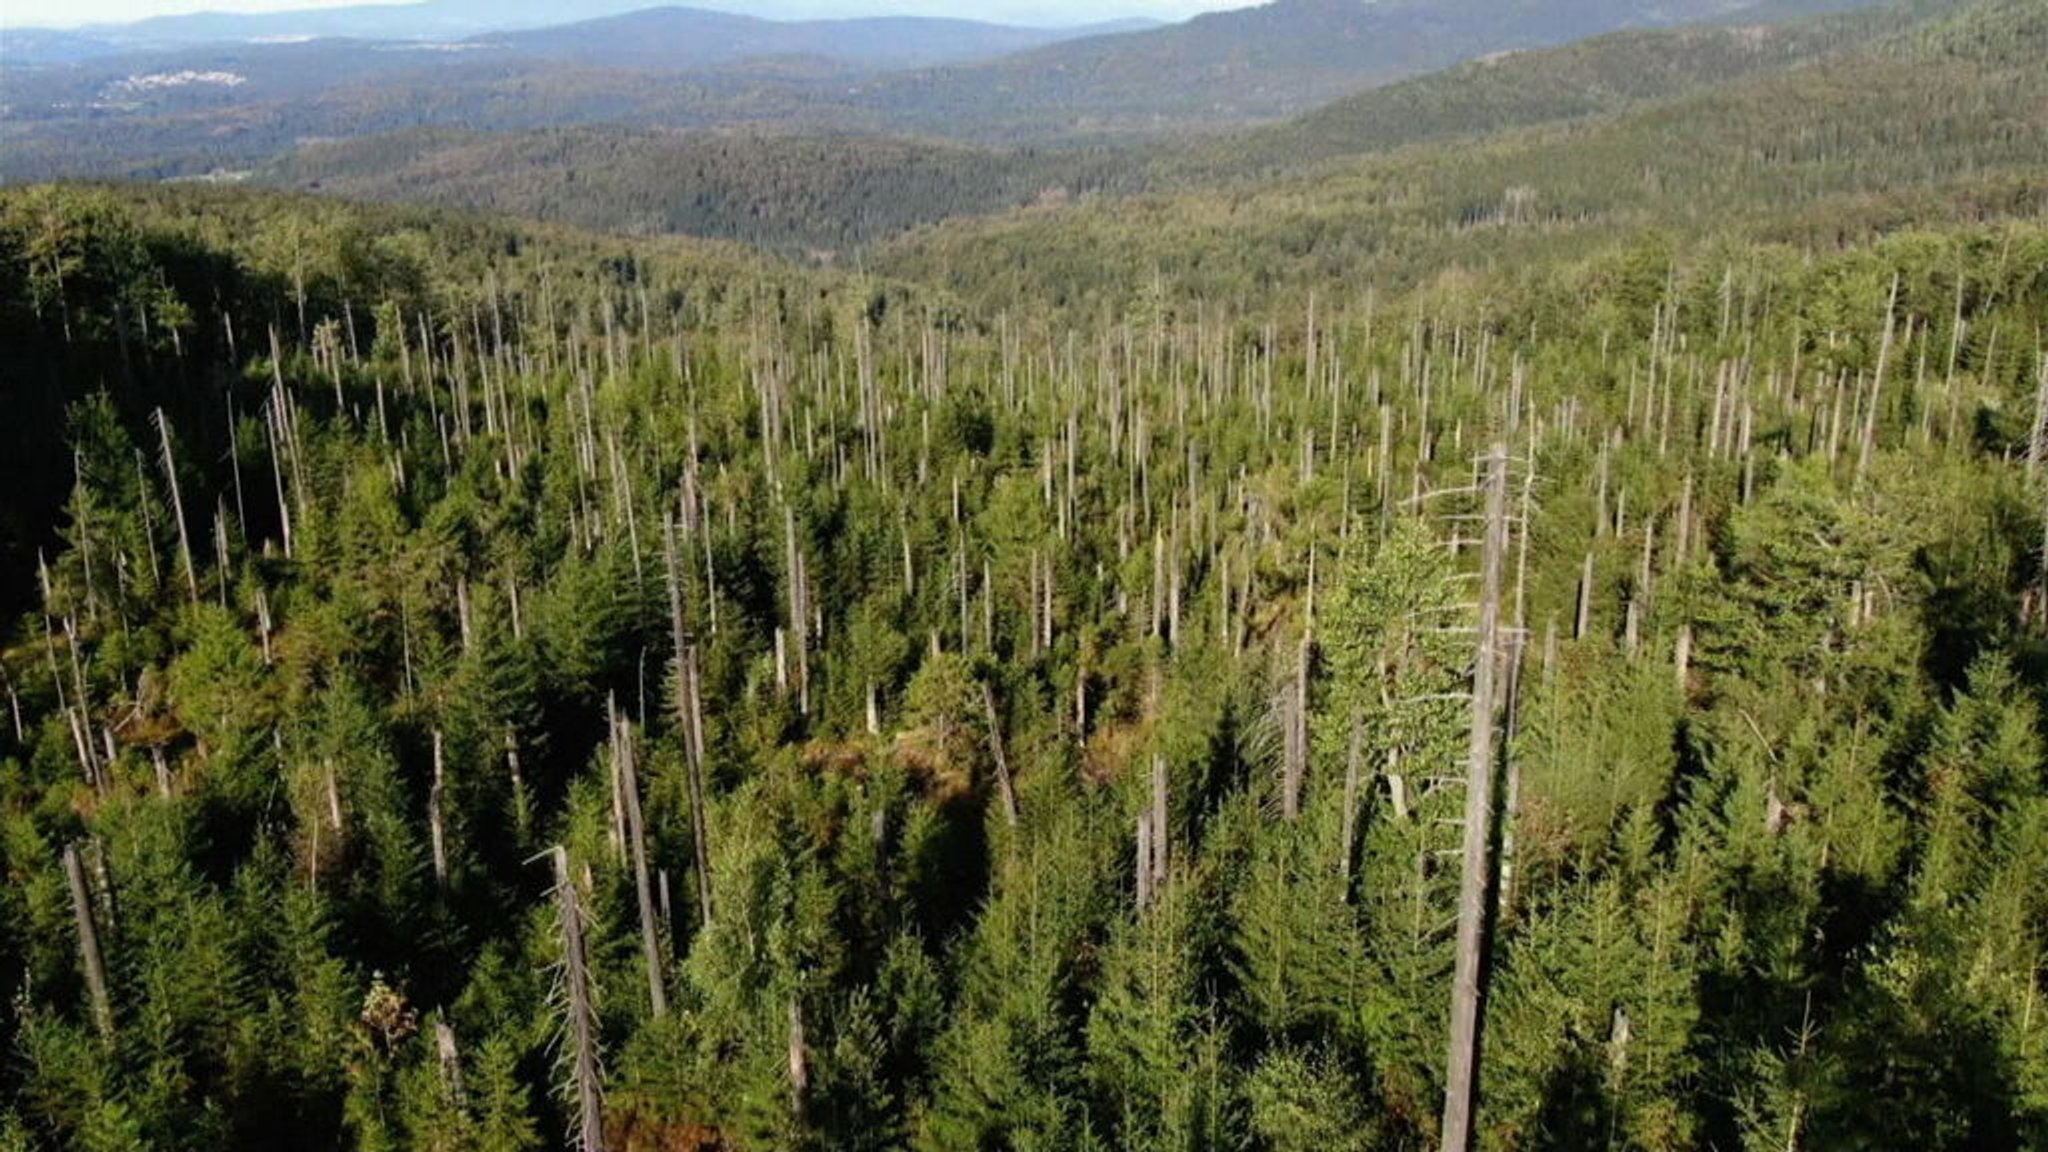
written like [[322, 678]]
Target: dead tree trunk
[[1161, 842], [585, 1080], [170, 467], [450, 1057], [436, 830], [89, 943], [1143, 866], [690, 715], [799, 612], [643, 888], [1004, 789], [1296, 720], [700, 824], [799, 1062], [1868, 442], [1462, 1071]]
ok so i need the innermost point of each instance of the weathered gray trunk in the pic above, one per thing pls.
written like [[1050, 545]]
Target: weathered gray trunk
[[1875, 402], [436, 830], [89, 943], [170, 468], [643, 887], [1295, 769], [799, 1062], [690, 715], [700, 825], [1142, 867], [586, 1084], [1161, 860], [1004, 789], [1462, 1066]]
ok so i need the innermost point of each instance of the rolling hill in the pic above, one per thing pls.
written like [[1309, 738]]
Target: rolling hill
[[1941, 119], [674, 69], [438, 20], [835, 192], [680, 39], [189, 110], [788, 193], [423, 20], [1275, 60]]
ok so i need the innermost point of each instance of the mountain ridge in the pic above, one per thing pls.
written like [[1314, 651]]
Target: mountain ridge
[[640, 180]]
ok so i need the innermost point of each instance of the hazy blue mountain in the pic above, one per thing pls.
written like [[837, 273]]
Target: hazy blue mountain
[[461, 19], [685, 38], [1273, 60], [236, 105]]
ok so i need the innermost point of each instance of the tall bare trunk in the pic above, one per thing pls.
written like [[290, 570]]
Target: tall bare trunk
[[1296, 721], [643, 888], [585, 1079], [1871, 408], [690, 715], [700, 824], [1161, 842], [89, 943], [1005, 791], [435, 829], [1475, 881], [170, 468]]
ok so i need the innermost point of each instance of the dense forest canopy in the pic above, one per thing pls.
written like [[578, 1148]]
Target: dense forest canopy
[[1320, 660]]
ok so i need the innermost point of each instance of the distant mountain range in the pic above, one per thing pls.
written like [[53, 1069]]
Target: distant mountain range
[[823, 193], [596, 27], [1270, 61], [433, 19], [235, 105], [667, 39]]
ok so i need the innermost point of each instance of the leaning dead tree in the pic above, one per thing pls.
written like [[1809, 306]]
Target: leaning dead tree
[[1005, 791], [89, 943], [586, 1087], [169, 464], [626, 786], [1462, 1068]]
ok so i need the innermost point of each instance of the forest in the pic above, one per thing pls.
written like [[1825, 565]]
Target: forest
[[1356, 659]]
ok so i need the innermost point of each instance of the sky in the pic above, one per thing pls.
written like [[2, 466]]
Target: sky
[[72, 13]]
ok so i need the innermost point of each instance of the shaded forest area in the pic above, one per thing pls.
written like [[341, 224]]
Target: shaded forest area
[[482, 686]]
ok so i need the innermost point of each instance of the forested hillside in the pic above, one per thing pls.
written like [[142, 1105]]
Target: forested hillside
[[1936, 121], [674, 38], [670, 69], [1602, 76], [501, 689], [840, 194], [1259, 62], [828, 196]]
